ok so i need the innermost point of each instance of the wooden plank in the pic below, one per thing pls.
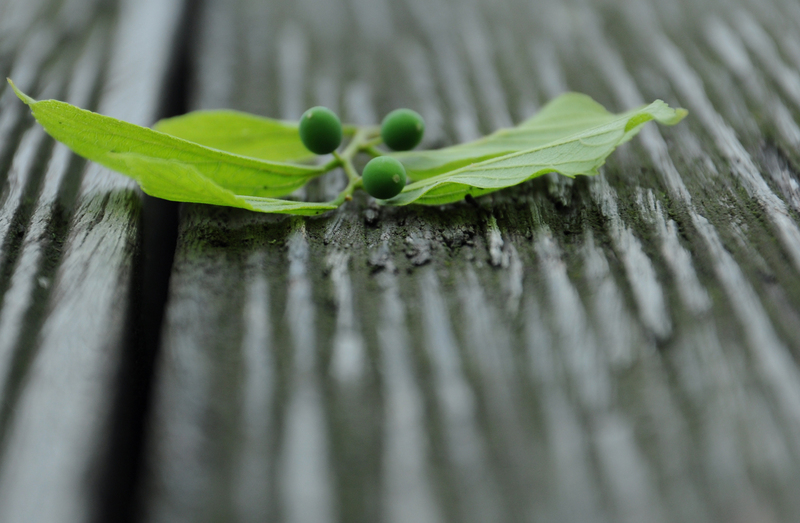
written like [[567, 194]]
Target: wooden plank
[[70, 246], [620, 348]]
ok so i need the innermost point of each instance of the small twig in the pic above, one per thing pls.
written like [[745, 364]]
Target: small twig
[[347, 193], [347, 165], [373, 151], [364, 140], [372, 143]]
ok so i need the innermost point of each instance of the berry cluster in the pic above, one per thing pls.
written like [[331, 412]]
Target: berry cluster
[[384, 176]]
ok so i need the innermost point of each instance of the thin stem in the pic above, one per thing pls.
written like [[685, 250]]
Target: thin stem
[[371, 143], [352, 175], [331, 165], [364, 140], [347, 165], [347, 193], [349, 130], [355, 144], [372, 131], [373, 151]]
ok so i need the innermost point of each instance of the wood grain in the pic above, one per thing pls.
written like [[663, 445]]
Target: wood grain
[[622, 348], [70, 234]]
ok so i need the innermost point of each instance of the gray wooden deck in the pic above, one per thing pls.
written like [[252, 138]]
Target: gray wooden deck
[[623, 348]]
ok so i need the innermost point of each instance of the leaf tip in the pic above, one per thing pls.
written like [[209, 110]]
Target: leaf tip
[[675, 116], [22, 96]]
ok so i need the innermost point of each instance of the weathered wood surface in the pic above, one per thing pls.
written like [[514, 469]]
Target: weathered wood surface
[[69, 243], [616, 348], [621, 348]]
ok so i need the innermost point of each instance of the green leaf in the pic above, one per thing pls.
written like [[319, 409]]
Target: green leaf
[[179, 181], [287, 207], [239, 133], [230, 158], [567, 115], [101, 139], [571, 150]]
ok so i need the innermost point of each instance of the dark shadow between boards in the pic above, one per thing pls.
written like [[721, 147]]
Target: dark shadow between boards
[[122, 464]]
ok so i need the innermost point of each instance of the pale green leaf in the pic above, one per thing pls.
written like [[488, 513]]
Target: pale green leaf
[[582, 151], [179, 181], [275, 205], [567, 115], [239, 133], [98, 137]]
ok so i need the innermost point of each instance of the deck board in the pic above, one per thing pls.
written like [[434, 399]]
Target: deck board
[[621, 348], [606, 349], [70, 240]]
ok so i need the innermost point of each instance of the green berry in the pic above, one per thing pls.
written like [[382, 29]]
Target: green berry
[[402, 129], [320, 130], [384, 177]]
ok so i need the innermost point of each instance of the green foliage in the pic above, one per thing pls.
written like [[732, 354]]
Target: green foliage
[[320, 130], [182, 182], [239, 133], [568, 115], [579, 151], [240, 160], [101, 139], [384, 177], [402, 129]]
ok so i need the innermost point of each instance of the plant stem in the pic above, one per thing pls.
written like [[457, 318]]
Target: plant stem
[[373, 151], [347, 165], [331, 165], [369, 144], [356, 143], [347, 193], [364, 140]]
